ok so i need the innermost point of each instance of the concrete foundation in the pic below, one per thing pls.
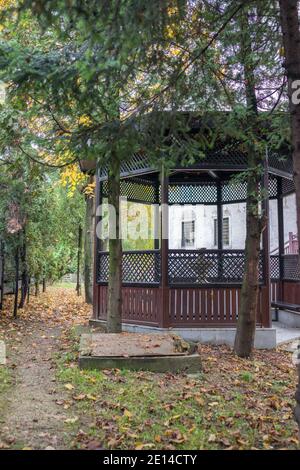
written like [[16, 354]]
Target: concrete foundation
[[188, 364], [265, 338], [2, 353], [290, 319]]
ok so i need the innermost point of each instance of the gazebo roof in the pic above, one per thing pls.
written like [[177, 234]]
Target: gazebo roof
[[224, 153], [217, 160]]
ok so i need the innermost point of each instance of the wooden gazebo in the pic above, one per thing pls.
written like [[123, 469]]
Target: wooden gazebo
[[164, 288]]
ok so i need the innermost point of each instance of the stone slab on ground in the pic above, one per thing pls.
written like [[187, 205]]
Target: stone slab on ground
[[132, 345], [265, 338], [174, 364], [2, 353], [136, 351]]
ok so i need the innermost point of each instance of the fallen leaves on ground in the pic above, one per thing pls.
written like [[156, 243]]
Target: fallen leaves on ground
[[232, 404]]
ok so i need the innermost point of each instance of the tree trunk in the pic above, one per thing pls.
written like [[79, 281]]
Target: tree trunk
[[16, 283], [44, 285], [88, 250], [37, 288], [24, 286], [291, 42], [78, 284], [28, 290], [114, 322], [2, 265], [245, 334]]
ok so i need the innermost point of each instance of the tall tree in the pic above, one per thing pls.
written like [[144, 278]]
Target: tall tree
[[111, 62], [245, 334], [289, 14]]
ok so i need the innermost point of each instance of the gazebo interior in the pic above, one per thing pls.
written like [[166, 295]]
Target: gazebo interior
[[165, 287]]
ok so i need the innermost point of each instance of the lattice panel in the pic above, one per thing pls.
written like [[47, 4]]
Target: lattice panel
[[204, 193], [194, 267], [281, 162], [273, 187], [274, 267], [232, 192], [138, 190], [291, 268], [138, 163], [288, 186], [139, 267], [226, 155], [102, 267]]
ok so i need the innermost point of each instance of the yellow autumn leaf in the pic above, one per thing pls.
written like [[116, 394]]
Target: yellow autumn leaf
[[85, 120], [69, 386], [144, 446], [127, 414], [71, 420], [91, 397]]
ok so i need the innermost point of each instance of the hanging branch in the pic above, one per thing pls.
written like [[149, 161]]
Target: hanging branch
[[50, 165], [189, 63]]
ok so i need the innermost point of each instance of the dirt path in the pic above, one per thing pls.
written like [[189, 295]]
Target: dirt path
[[33, 417]]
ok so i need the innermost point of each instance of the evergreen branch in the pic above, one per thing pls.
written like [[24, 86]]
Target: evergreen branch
[[39, 162], [191, 61]]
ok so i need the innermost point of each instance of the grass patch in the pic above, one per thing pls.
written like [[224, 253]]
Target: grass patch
[[4, 379], [221, 409], [65, 285], [5, 383]]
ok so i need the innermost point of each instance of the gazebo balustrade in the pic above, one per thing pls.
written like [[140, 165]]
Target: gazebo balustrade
[[185, 267], [165, 287]]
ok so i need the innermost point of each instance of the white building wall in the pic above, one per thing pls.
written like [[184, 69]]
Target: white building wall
[[204, 223], [289, 215]]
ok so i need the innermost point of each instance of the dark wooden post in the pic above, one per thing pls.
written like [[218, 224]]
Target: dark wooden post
[[219, 229], [156, 224], [156, 215], [280, 235], [78, 284], [266, 291], [164, 251], [97, 243]]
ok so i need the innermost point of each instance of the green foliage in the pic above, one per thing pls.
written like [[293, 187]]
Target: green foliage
[[37, 212], [103, 80], [52, 231]]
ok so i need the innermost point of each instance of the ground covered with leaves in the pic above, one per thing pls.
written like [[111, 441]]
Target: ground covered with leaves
[[231, 404]]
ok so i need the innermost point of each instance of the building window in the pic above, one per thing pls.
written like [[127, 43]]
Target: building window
[[188, 234], [226, 237]]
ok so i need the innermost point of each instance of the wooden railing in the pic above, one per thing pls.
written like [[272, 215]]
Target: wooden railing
[[185, 267], [140, 267]]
